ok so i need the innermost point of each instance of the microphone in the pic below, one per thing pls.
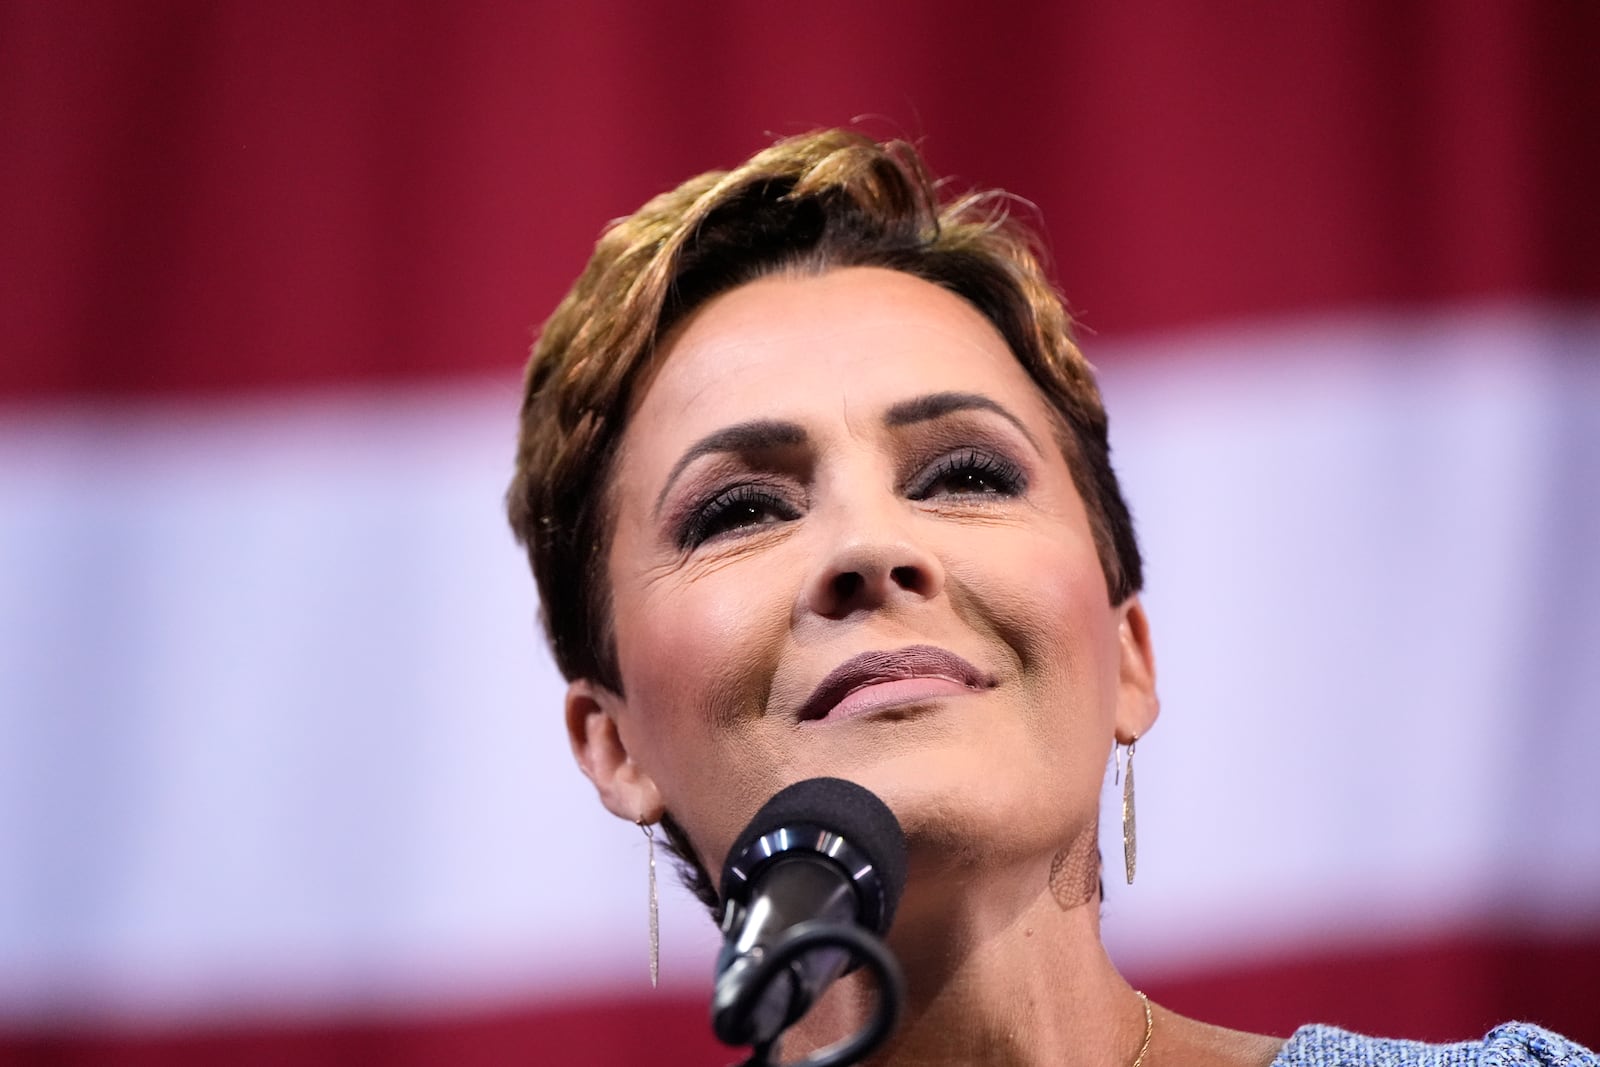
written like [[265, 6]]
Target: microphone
[[808, 889]]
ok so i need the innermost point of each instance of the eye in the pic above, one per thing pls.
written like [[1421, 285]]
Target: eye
[[737, 508], [969, 472]]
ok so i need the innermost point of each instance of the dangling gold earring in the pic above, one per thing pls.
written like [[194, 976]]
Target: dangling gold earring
[[1130, 829], [655, 912]]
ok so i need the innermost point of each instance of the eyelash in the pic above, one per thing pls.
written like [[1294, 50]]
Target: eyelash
[[719, 515], [716, 516], [1004, 477]]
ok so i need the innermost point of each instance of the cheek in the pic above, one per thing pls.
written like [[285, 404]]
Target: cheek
[[701, 653], [697, 659], [1050, 606], [1057, 621]]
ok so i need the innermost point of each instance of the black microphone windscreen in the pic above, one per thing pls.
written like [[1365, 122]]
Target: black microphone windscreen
[[844, 808]]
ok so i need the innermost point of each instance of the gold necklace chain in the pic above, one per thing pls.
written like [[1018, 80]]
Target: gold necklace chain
[[1149, 1028]]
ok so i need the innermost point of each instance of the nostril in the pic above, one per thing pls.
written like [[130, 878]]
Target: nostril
[[867, 580], [847, 585]]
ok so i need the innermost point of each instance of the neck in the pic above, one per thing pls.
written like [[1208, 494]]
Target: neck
[[1004, 971]]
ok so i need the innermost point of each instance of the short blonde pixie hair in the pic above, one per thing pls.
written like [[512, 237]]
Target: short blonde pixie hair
[[811, 203]]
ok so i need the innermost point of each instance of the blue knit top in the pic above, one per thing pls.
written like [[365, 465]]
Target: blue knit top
[[1511, 1045]]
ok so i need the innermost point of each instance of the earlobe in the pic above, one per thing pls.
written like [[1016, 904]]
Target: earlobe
[[594, 729], [1137, 702]]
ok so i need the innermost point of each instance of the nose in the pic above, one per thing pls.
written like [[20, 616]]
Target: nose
[[873, 557]]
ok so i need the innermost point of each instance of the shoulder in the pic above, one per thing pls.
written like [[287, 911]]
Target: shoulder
[[1511, 1045], [1521, 1043]]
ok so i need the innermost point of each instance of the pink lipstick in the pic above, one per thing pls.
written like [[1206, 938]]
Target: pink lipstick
[[874, 680]]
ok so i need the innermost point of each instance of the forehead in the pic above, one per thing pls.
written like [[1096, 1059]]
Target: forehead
[[806, 346]]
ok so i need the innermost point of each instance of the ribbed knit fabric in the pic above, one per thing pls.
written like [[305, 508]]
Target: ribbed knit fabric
[[1511, 1045]]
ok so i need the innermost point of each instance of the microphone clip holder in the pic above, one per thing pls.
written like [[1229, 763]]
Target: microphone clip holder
[[865, 950]]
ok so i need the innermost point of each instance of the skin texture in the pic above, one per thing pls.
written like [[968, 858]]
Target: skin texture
[[850, 514]]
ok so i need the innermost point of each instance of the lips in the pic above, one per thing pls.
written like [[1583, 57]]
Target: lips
[[900, 676]]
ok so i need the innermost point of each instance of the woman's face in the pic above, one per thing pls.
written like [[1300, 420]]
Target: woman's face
[[846, 543]]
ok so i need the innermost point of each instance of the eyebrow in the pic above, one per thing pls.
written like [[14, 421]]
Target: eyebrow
[[938, 405], [757, 435]]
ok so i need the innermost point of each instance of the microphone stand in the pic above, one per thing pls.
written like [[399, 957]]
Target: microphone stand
[[864, 949]]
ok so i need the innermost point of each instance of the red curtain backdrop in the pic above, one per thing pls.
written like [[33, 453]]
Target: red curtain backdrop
[[237, 196], [231, 201]]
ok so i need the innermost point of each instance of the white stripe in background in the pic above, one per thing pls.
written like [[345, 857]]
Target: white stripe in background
[[1375, 598], [279, 734]]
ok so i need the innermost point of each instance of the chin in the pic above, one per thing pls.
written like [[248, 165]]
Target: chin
[[960, 811]]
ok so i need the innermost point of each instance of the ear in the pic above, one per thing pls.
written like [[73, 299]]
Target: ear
[[594, 715], [1137, 703]]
